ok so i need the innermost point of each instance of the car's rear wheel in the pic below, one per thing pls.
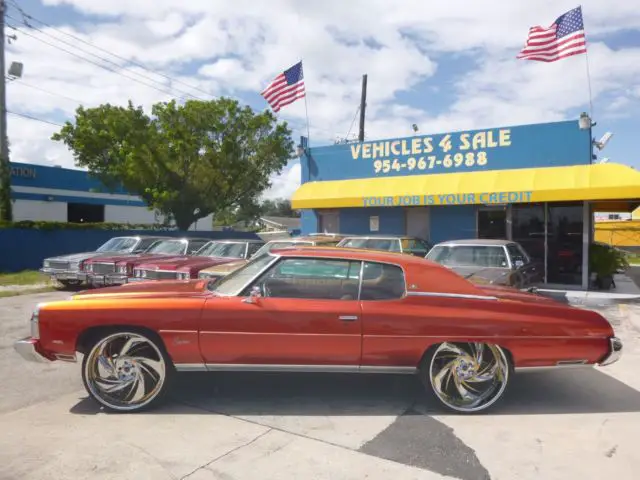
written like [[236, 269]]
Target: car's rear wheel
[[466, 377], [127, 371]]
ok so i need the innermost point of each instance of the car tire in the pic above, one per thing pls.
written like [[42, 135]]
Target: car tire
[[127, 371], [69, 283], [466, 377]]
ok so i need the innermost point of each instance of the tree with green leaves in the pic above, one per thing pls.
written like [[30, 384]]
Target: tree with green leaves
[[186, 161]]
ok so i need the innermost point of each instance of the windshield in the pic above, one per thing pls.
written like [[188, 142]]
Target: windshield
[[222, 249], [118, 244], [237, 279], [469, 256], [267, 247], [170, 247], [388, 244]]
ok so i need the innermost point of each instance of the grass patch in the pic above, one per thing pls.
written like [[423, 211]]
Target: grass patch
[[26, 277], [26, 291]]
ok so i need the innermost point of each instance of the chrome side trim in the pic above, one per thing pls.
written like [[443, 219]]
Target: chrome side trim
[[390, 370], [546, 368], [452, 295], [615, 352], [246, 367], [190, 367], [563, 363]]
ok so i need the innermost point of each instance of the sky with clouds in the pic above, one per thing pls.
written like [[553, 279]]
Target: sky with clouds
[[444, 66]]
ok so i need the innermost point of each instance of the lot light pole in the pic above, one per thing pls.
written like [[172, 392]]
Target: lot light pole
[[5, 168]]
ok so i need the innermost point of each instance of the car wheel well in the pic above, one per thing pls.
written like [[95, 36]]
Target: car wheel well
[[91, 335]]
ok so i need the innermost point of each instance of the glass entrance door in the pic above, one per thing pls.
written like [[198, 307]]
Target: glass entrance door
[[564, 243], [492, 223]]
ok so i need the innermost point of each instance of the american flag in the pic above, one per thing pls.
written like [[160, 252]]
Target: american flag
[[286, 88], [562, 39]]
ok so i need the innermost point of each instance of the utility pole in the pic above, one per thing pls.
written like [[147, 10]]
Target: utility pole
[[5, 168], [363, 106]]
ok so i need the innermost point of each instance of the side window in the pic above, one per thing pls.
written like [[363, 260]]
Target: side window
[[312, 278], [253, 248], [381, 281]]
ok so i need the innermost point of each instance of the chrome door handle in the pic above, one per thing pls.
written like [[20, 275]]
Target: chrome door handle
[[348, 318]]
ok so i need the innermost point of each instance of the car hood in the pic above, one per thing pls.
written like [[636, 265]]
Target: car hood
[[148, 289], [178, 263], [134, 257], [225, 267], [75, 257]]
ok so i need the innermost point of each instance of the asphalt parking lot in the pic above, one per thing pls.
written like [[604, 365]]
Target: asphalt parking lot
[[574, 424]]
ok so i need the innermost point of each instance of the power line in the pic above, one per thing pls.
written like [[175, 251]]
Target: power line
[[48, 91], [29, 117], [94, 63], [132, 62], [100, 58]]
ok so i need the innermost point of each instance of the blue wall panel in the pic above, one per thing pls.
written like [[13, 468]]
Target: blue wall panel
[[308, 221], [355, 221], [24, 249], [452, 222]]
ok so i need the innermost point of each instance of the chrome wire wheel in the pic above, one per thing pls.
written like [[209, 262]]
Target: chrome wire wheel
[[125, 371], [468, 377]]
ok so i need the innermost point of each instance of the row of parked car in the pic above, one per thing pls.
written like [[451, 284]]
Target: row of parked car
[[142, 258]]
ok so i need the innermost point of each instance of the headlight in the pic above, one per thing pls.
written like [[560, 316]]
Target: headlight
[[46, 264], [89, 268], [122, 269]]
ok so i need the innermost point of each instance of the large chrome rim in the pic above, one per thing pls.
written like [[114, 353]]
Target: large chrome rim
[[125, 371], [469, 377]]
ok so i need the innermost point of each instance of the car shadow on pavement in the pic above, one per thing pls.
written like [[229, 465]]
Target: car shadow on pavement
[[570, 391]]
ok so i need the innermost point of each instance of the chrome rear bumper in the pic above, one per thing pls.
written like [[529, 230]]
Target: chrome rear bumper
[[27, 350], [615, 352]]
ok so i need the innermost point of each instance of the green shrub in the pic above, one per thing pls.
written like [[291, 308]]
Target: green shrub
[[44, 225]]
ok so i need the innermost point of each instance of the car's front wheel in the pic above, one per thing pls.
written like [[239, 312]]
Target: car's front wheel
[[127, 371], [466, 377]]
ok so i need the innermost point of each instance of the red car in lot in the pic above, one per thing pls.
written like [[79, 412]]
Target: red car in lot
[[186, 267], [318, 309], [116, 269]]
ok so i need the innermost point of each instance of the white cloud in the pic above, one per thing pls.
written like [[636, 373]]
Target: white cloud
[[238, 47], [284, 185]]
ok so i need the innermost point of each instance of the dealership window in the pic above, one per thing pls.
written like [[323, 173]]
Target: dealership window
[[85, 213], [492, 223]]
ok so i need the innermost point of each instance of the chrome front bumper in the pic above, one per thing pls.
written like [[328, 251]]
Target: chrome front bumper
[[57, 274], [110, 279], [615, 352], [27, 350]]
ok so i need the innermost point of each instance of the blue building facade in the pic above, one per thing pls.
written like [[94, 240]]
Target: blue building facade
[[48, 193], [536, 184]]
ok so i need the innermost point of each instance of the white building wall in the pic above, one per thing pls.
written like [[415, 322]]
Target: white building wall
[[38, 210], [203, 225], [129, 214]]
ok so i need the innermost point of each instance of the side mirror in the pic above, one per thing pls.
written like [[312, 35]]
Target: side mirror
[[254, 295], [519, 263]]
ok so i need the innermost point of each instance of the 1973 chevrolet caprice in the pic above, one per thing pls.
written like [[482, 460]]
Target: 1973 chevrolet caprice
[[315, 309]]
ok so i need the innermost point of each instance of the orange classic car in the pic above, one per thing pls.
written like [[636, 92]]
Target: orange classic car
[[317, 309]]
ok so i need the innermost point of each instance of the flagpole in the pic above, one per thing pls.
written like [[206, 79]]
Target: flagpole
[[586, 56], [306, 109]]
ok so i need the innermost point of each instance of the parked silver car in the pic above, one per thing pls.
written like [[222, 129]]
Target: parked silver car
[[67, 269]]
